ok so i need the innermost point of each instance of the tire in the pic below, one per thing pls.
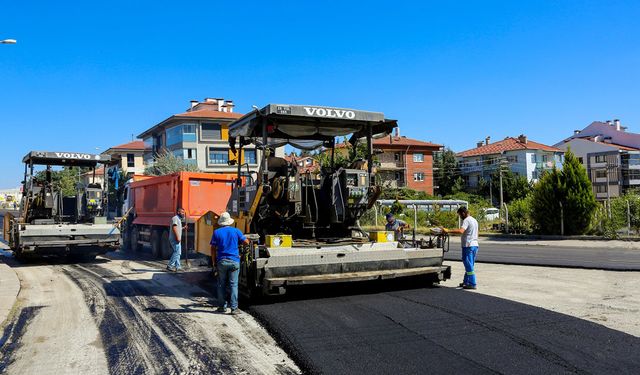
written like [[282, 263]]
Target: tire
[[165, 247], [134, 237], [156, 243]]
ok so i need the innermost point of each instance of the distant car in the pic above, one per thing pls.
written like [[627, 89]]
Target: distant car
[[491, 213]]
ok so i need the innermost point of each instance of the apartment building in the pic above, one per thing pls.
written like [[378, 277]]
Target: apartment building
[[521, 155], [131, 156], [610, 154], [405, 162], [199, 136]]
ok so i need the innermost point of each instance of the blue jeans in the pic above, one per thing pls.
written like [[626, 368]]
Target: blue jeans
[[174, 261], [228, 272], [469, 260]]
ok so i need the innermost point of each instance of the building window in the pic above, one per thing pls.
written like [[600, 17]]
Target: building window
[[218, 156], [544, 158], [601, 188], [418, 176], [534, 158], [601, 173], [250, 157], [211, 131], [396, 156], [174, 135], [131, 161], [418, 157], [512, 159], [600, 158], [534, 175], [398, 176]]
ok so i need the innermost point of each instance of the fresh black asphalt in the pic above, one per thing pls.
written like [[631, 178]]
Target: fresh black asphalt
[[605, 258], [359, 329]]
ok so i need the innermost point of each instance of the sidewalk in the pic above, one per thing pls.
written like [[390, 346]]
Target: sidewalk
[[605, 244], [9, 287]]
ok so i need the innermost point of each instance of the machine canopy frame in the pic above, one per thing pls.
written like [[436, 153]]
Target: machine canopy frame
[[308, 127], [71, 159]]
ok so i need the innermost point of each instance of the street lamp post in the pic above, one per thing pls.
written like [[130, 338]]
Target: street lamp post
[[8, 41]]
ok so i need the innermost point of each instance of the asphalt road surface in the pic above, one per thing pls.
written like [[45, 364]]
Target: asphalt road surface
[[354, 330], [560, 256], [127, 316]]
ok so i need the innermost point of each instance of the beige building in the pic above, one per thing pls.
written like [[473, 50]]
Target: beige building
[[199, 136], [131, 156]]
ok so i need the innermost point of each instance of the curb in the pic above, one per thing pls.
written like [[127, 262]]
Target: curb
[[8, 292]]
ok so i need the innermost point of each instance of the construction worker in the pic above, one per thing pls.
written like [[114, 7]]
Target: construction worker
[[469, 242], [226, 260], [175, 240], [396, 225]]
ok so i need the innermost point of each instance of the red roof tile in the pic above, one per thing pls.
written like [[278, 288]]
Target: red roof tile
[[205, 113], [507, 144], [135, 145], [402, 141]]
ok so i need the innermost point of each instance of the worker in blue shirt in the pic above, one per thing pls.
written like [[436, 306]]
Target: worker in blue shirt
[[226, 260]]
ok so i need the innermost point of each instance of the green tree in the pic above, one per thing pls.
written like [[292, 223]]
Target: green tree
[[167, 163], [64, 180], [446, 173], [513, 186], [569, 191]]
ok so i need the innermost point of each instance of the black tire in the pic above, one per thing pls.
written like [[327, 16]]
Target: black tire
[[156, 243], [134, 237], [166, 249]]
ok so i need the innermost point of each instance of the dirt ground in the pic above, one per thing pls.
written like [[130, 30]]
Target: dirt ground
[[605, 297]]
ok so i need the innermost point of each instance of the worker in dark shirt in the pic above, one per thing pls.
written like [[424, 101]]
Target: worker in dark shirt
[[226, 260]]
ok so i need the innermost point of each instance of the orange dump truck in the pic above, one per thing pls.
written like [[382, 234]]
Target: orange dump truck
[[151, 202]]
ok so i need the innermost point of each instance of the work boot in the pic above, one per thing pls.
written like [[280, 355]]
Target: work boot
[[468, 287], [234, 312], [221, 310], [171, 269]]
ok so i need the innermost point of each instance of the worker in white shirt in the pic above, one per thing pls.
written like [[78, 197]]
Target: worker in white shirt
[[469, 242]]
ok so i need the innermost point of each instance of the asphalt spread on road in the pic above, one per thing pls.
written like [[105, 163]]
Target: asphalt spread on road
[[396, 328]]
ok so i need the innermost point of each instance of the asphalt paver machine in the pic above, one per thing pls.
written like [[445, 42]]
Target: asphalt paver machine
[[49, 223], [304, 225]]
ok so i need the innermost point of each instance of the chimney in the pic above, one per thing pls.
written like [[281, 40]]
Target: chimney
[[486, 140], [390, 139], [609, 122], [397, 132], [616, 122], [479, 144], [230, 105], [522, 139], [576, 132], [193, 104], [220, 104]]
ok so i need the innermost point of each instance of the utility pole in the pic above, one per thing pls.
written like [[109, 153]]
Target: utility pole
[[628, 219], [608, 195], [491, 192], [561, 219]]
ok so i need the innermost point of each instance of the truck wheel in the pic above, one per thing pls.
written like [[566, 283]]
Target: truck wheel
[[134, 237], [156, 243], [166, 249]]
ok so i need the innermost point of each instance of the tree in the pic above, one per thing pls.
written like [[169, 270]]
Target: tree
[[167, 163], [569, 191], [513, 186], [64, 180], [446, 173]]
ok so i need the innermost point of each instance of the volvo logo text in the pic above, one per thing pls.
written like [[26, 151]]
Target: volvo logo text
[[71, 155], [330, 112]]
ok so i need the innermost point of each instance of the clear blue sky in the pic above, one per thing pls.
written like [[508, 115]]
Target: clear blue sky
[[91, 74]]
